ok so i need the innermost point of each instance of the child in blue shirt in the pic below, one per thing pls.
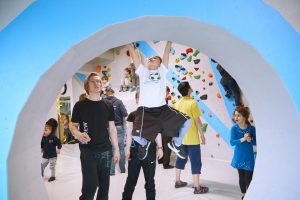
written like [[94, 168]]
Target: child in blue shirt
[[243, 137], [48, 147]]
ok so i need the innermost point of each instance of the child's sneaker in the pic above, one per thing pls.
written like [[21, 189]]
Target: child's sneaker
[[143, 151], [200, 190], [52, 178], [179, 184], [180, 152]]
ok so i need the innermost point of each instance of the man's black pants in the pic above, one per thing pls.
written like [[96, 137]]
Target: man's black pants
[[134, 167], [95, 167]]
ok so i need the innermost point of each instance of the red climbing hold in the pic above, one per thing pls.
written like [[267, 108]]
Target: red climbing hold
[[127, 53], [196, 68], [184, 78], [189, 50]]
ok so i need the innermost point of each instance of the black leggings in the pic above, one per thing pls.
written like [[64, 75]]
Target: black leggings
[[245, 179]]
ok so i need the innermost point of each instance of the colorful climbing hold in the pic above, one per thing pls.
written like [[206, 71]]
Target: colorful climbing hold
[[173, 101], [204, 127], [196, 53], [204, 88], [128, 53], [218, 135], [178, 67], [197, 92], [184, 78], [177, 60], [172, 51], [190, 74], [203, 80], [210, 75], [184, 71], [182, 56], [98, 68], [173, 94], [203, 97], [189, 50], [189, 59], [196, 61], [117, 51], [197, 77], [196, 68], [219, 95], [202, 111], [210, 83]]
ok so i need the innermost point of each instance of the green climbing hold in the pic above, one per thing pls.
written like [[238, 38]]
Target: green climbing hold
[[189, 59], [204, 127], [196, 53], [197, 76]]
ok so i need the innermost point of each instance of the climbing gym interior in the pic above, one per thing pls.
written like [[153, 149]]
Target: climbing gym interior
[[49, 47]]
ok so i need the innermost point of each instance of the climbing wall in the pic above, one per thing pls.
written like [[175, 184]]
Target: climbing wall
[[192, 65]]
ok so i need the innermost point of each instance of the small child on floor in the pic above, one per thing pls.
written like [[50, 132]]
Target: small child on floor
[[126, 82], [50, 147], [105, 85]]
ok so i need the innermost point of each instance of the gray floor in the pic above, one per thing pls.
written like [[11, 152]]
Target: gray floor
[[68, 183]]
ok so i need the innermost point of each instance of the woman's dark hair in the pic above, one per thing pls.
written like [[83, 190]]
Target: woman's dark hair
[[183, 88], [244, 111]]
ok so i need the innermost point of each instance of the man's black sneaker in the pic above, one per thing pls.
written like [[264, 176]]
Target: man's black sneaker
[[142, 151], [179, 150], [52, 178], [179, 184], [168, 167]]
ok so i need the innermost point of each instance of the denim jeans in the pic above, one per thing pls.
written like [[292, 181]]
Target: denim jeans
[[95, 168], [120, 131]]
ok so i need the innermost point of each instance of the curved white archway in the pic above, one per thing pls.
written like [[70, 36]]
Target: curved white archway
[[266, 95]]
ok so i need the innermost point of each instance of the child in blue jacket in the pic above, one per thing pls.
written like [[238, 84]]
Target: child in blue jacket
[[50, 147]]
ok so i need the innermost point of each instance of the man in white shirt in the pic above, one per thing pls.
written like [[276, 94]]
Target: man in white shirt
[[153, 114]]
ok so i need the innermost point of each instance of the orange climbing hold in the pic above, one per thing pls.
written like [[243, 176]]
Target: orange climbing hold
[[98, 68], [210, 75], [219, 95]]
